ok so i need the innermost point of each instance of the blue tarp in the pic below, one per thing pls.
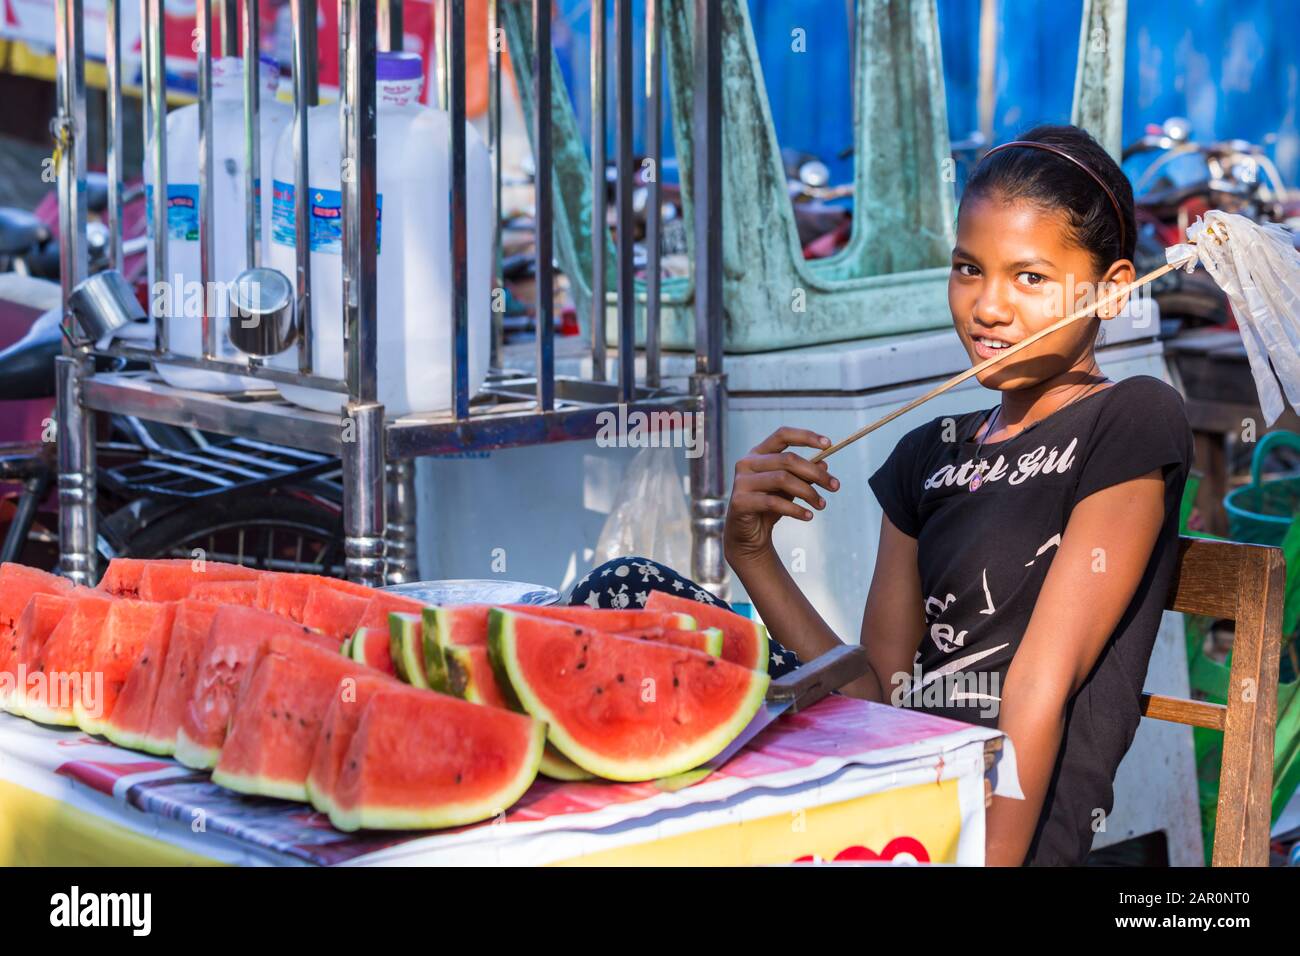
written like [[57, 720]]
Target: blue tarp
[[1232, 68]]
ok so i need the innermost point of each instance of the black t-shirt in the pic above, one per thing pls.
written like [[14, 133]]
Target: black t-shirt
[[983, 557]]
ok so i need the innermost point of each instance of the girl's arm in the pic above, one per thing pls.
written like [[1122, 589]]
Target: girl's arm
[[1104, 552], [764, 489]]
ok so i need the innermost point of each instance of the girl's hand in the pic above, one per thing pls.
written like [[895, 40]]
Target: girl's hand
[[766, 483]]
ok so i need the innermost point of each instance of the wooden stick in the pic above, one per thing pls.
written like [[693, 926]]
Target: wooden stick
[[990, 362]]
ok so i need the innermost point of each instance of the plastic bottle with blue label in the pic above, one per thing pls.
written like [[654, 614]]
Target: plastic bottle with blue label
[[414, 302], [183, 296]]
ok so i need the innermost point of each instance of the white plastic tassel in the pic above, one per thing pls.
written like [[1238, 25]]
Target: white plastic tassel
[[1258, 268]]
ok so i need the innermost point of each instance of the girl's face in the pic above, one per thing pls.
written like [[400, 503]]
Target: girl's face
[[1016, 271]]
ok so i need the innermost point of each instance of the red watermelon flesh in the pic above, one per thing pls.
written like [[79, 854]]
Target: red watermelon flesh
[[286, 594], [173, 582], [64, 662], [381, 605], [372, 646], [176, 684], [467, 625], [34, 627], [708, 641], [340, 723], [166, 579], [129, 722], [334, 613], [470, 677], [621, 708], [426, 760], [744, 642], [243, 593], [278, 719], [237, 639], [18, 584], [128, 630]]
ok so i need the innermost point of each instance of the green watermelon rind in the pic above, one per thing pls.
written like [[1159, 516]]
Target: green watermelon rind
[[449, 815], [714, 636], [685, 622], [193, 755], [556, 766], [501, 636], [261, 786], [401, 646]]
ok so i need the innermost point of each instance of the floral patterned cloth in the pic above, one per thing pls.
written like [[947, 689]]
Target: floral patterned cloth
[[627, 583]]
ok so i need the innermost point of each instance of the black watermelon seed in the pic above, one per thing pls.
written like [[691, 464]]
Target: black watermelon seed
[[600, 690], [581, 664], [352, 765], [458, 778], [675, 682], [712, 662], [620, 678]]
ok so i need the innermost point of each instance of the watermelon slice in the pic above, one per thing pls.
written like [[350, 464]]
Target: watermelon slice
[[418, 662], [419, 761], [38, 621], [467, 625], [128, 726], [130, 628], [237, 639], [18, 584], [333, 612], [176, 684], [372, 646], [167, 579], [744, 641], [243, 593], [287, 594], [707, 641], [278, 718], [337, 729], [621, 708], [56, 675]]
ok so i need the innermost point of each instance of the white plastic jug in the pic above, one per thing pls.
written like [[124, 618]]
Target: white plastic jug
[[183, 296], [414, 304]]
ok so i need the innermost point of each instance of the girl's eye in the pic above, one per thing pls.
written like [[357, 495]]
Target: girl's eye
[[1033, 278], [963, 266]]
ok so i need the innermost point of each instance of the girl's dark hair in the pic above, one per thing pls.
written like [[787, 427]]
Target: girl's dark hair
[[1052, 182]]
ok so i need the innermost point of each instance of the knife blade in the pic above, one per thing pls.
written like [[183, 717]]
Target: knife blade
[[796, 691]]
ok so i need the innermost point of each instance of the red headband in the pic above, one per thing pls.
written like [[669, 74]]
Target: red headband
[[1123, 233]]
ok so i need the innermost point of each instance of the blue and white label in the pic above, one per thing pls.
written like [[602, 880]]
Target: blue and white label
[[182, 211], [326, 212]]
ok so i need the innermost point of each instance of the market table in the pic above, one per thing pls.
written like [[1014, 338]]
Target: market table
[[845, 779]]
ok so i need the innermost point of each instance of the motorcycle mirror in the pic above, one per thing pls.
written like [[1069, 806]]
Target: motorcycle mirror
[[1177, 128]]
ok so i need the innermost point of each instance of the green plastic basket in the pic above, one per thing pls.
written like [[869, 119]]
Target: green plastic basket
[[1262, 511]]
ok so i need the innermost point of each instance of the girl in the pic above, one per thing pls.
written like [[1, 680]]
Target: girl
[[1025, 550]]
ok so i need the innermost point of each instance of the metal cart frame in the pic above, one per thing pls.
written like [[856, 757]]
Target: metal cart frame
[[376, 452]]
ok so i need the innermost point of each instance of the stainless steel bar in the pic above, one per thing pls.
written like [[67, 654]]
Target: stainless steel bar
[[364, 496], [708, 504], [252, 137], [626, 186], [440, 39], [76, 437], [545, 306], [393, 11], [204, 37], [360, 221], [113, 66], [271, 374], [155, 99], [654, 202], [76, 454], [458, 226], [228, 11], [304, 96], [599, 206], [400, 533], [496, 41]]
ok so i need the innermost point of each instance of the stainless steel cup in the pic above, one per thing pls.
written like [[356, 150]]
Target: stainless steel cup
[[102, 304], [262, 313]]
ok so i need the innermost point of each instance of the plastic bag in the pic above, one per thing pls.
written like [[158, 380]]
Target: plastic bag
[[1258, 268], [650, 517]]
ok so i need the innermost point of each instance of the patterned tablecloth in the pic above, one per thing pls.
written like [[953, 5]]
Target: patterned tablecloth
[[846, 779]]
